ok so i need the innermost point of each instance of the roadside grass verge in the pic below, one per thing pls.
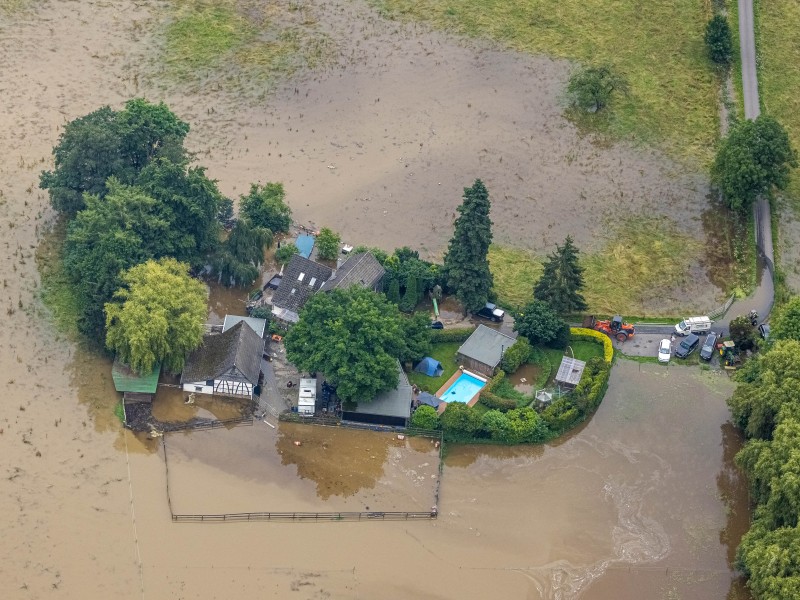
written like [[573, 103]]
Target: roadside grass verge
[[515, 272], [242, 43], [445, 353], [778, 58], [56, 292], [10, 7], [641, 259], [658, 46]]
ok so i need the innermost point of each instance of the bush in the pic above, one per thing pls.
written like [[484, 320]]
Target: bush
[[561, 415], [742, 333], [458, 334], [718, 40], [425, 417], [496, 424], [261, 312], [590, 335], [328, 244], [460, 419], [592, 387], [285, 253], [517, 355]]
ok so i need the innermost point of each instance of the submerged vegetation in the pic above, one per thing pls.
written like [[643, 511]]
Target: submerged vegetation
[[629, 36]]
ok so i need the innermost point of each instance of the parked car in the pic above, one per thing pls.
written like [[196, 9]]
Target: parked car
[[763, 330], [437, 325], [664, 350], [697, 325], [687, 346], [491, 312], [709, 345]]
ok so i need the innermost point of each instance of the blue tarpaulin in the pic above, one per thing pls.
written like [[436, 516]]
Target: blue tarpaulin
[[305, 243], [430, 366], [428, 399]]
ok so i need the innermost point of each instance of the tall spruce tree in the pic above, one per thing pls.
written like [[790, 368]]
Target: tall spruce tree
[[561, 283], [465, 264], [411, 296]]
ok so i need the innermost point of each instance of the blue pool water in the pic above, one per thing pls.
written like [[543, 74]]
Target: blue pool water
[[463, 389]]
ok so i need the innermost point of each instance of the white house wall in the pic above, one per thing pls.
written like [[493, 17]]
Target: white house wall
[[228, 387], [199, 387]]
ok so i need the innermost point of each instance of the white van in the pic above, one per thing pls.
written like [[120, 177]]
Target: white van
[[696, 325]]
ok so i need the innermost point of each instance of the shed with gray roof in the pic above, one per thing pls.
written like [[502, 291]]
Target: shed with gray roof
[[302, 278], [227, 364], [257, 325], [569, 372], [392, 407], [361, 269], [483, 350]]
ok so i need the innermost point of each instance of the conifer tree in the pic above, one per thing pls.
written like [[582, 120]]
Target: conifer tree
[[562, 281], [411, 296], [465, 264], [393, 293]]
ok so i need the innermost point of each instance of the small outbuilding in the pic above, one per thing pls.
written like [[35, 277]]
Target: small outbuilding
[[569, 373], [134, 387], [226, 364], [483, 350], [392, 407], [430, 367]]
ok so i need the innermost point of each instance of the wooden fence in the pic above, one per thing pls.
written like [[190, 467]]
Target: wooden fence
[[306, 516]]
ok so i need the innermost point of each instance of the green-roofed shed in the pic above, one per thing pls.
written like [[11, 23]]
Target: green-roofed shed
[[128, 380]]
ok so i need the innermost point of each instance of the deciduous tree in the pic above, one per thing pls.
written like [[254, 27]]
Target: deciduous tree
[[328, 244], [562, 281], [265, 207], [540, 324], [285, 253], [785, 322], [465, 264], [591, 88], [355, 337], [239, 257], [460, 419], [157, 316], [754, 157]]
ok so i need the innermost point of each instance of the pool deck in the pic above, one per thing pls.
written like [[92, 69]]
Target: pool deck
[[459, 372]]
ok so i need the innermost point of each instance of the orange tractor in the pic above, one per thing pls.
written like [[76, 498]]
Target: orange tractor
[[613, 328]]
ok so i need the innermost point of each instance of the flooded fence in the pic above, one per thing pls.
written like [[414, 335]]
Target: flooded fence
[[199, 425], [306, 516]]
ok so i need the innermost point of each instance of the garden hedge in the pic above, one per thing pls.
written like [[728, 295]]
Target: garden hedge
[[457, 334], [492, 400], [590, 335]]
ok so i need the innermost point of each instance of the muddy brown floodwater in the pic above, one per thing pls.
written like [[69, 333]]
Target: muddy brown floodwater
[[643, 502]]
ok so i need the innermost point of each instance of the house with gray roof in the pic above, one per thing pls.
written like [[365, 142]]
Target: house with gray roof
[[483, 350], [392, 407], [225, 364], [361, 269], [302, 278]]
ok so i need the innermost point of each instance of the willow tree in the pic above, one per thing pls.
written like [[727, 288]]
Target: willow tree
[[157, 316], [239, 257]]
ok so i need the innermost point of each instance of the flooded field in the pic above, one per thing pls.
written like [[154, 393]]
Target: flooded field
[[641, 503]]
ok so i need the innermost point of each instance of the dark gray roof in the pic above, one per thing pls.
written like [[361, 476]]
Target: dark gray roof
[[359, 269], [486, 345], [257, 325], [302, 278], [239, 347], [570, 371], [391, 403]]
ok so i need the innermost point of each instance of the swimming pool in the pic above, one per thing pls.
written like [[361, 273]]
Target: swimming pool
[[463, 389]]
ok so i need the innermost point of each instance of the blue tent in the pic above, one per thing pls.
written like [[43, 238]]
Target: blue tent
[[430, 366]]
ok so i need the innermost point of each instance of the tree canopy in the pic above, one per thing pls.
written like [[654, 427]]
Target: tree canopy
[[785, 321], [541, 325], [328, 244], [718, 40], [106, 142], [562, 281], [754, 157], [157, 316], [591, 88], [107, 237], [355, 337], [466, 265], [239, 257], [285, 253], [425, 417], [265, 207]]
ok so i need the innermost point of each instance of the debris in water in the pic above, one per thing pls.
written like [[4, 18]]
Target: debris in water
[[400, 436], [298, 443]]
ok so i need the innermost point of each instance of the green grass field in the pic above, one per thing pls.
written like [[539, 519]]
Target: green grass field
[[778, 47], [658, 46], [643, 254], [244, 41], [445, 354]]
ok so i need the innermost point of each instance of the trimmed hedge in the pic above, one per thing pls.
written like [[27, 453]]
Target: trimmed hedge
[[492, 400], [457, 334], [517, 355], [590, 335]]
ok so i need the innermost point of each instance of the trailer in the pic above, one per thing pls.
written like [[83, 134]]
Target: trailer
[[307, 402]]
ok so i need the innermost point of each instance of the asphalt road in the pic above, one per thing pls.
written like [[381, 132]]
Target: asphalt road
[[747, 48]]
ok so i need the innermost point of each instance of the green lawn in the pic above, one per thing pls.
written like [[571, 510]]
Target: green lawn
[[645, 256], [778, 47], [658, 46], [445, 354], [584, 350]]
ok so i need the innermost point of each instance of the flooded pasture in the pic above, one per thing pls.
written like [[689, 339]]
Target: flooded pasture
[[642, 502]]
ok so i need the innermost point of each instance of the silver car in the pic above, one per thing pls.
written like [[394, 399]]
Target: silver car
[[664, 350]]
